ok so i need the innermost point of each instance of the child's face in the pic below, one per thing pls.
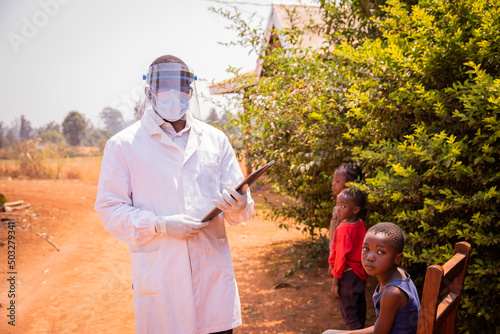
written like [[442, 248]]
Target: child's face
[[346, 209], [339, 181], [378, 256]]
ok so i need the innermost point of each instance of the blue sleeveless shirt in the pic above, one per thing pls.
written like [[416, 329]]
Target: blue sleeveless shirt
[[406, 319]]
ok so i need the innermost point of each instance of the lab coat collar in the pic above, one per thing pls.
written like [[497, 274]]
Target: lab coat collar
[[194, 140], [193, 123], [152, 122]]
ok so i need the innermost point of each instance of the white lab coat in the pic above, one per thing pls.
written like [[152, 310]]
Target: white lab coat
[[179, 286]]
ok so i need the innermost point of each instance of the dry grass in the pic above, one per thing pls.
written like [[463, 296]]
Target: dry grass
[[83, 168]]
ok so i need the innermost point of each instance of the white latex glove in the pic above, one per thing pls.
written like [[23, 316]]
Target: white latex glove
[[179, 226], [231, 201]]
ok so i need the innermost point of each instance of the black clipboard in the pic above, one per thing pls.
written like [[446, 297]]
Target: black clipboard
[[249, 180]]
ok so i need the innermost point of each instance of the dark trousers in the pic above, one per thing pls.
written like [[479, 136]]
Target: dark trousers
[[352, 300], [229, 331]]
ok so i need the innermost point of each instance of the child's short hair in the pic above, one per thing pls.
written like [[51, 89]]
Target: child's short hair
[[393, 231], [356, 195], [352, 172]]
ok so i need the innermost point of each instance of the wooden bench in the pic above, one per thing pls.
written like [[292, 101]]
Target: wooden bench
[[443, 287]]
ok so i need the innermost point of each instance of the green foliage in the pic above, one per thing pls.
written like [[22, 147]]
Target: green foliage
[[52, 136], [4, 142], [292, 118], [25, 129], [413, 96], [350, 21], [74, 128], [112, 119], [428, 100], [96, 137]]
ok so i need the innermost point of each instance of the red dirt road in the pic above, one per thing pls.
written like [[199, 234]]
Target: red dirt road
[[85, 287]]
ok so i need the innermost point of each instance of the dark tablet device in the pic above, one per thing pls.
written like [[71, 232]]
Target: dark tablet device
[[249, 180]]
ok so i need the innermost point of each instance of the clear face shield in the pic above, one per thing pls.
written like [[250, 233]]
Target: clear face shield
[[170, 90]]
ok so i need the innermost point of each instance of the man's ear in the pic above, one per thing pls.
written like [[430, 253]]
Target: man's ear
[[398, 258]]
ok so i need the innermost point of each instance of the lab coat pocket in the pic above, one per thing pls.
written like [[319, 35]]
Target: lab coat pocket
[[147, 273], [209, 179]]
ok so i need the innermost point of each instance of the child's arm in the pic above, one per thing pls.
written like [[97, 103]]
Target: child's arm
[[367, 330], [391, 301], [335, 288], [341, 247]]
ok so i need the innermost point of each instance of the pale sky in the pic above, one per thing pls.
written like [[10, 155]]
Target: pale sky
[[63, 55]]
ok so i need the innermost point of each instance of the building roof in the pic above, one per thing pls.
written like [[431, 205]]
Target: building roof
[[282, 17], [307, 18], [229, 86]]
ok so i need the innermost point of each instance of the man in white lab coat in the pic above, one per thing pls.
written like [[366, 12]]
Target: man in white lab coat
[[158, 178]]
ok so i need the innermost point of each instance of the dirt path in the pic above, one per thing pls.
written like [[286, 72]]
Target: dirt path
[[85, 286]]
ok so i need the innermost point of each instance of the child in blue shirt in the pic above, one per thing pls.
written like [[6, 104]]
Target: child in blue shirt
[[396, 299]]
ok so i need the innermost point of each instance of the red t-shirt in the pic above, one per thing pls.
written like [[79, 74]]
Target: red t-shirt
[[346, 249]]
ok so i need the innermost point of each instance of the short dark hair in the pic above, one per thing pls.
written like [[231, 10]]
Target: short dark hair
[[356, 195], [393, 231], [352, 172], [168, 59]]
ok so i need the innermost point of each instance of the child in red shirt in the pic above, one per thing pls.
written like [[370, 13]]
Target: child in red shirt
[[349, 276], [342, 175]]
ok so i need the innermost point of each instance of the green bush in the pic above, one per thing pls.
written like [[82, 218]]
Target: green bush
[[429, 105], [416, 102]]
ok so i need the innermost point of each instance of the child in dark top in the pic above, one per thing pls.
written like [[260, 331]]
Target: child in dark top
[[342, 175], [395, 299], [349, 277]]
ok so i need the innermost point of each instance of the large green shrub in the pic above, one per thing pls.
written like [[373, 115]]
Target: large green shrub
[[415, 99], [429, 100], [292, 118], [74, 128]]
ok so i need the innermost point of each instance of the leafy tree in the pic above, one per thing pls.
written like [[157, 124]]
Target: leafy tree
[[4, 142], [113, 119], [52, 136], [51, 133], [25, 129], [11, 137], [96, 136], [74, 128], [414, 99], [294, 115], [49, 126]]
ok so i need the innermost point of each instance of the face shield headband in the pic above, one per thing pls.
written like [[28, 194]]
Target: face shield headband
[[170, 91], [161, 77]]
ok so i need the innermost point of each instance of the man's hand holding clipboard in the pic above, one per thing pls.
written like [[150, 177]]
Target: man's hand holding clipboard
[[240, 189]]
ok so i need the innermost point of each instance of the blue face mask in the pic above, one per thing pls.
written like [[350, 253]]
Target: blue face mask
[[171, 105]]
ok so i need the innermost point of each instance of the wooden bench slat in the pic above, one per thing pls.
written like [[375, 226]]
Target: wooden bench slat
[[439, 315], [445, 308]]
